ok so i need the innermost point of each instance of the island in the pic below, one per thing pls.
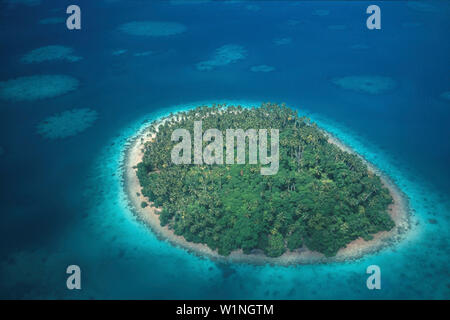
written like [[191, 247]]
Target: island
[[325, 203]]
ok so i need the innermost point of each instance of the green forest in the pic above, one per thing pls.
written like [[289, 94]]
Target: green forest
[[321, 198]]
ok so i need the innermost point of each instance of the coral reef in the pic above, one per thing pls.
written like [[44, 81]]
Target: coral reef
[[119, 52], [37, 87], [49, 53], [282, 41], [67, 123], [446, 95], [321, 12], [152, 28], [229, 53], [366, 84], [262, 68], [253, 7], [143, 54], [292, 22]]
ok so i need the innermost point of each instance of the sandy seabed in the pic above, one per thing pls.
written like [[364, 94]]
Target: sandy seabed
[[356, 249]]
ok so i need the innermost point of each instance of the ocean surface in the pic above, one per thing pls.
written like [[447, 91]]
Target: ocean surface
[[62, 200]]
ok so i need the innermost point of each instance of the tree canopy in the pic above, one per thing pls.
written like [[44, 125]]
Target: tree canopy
[[321, 198]]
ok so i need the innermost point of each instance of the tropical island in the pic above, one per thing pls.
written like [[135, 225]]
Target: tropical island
[[324, 202]]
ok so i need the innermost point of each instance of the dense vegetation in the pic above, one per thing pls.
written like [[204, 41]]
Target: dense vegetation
[[321, 197]]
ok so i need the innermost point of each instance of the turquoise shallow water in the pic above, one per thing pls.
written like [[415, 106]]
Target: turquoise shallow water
[[63, 203]]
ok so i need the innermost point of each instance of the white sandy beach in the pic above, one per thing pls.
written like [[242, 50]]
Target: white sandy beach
[[398, 210]]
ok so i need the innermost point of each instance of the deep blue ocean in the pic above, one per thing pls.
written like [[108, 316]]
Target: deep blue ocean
[[62, 200]]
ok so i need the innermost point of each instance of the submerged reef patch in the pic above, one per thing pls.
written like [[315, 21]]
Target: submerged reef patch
[[321, 12], [229, 53], [2, 151], [49, 53], [446, 95], [143, 54], [366, 84], [293, 22], [262, 68], [282, 41], [67, 123], [253, 7], [119, 52], [152, 28], [37, 87]]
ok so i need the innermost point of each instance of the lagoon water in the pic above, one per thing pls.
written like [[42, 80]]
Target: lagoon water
[[62, 200]]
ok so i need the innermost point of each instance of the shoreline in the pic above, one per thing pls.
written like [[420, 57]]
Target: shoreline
[[356, 249]]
